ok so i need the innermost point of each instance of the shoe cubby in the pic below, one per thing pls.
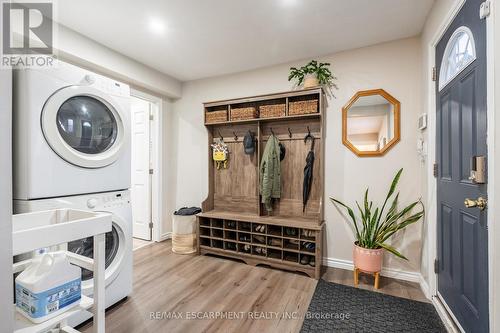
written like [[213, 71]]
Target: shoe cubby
[[290, 232], [290, 244], [230, 246], [218, 244], [217, 223], [244, 237], [231, 225], [244, 248], [259, 239], [275, 230], [275, 242], [204, 241], [259, 228], [307, 234], [217, 233], [290, 256], [229, 234], [307, 247], [286, 247], [259, 251], [204, 231], [204, 222], [245, 226], [274, 254]]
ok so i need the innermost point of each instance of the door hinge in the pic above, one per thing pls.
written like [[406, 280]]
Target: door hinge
[[150, 171], [150, 225], [485, 10], [436, 266], [435, 170], [434, 74], [151, 117]]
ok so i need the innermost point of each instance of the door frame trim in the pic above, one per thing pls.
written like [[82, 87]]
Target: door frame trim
[[493, 239], [156, 131]]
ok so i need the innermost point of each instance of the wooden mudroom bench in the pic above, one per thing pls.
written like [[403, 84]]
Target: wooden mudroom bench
[[234, 223]]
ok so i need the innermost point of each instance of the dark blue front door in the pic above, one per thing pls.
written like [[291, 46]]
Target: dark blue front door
[[461, 136]]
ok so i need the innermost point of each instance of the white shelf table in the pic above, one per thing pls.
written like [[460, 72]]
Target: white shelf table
[[43, 229]]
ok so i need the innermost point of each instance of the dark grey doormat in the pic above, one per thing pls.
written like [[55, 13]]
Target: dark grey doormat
[[338, 308]]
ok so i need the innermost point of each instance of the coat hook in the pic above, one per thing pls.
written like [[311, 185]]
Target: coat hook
[[309, 135], [220, 135], [235, 136], [272, 132], [289, 133]]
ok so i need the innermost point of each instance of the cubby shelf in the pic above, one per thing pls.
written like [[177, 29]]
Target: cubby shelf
[[291, 247], [233, 208]]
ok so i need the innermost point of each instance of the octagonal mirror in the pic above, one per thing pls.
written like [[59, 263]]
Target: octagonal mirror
[[370, 123]]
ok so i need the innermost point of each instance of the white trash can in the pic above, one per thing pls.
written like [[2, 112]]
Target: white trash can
[[184, 231]]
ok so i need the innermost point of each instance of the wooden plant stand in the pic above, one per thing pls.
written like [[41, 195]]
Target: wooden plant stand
[[376, 276], [234, 223]]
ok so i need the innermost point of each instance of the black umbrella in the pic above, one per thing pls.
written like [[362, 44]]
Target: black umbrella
[[308, 173]]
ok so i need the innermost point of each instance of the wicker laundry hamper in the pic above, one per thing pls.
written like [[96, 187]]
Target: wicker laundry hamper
[[184, 231]]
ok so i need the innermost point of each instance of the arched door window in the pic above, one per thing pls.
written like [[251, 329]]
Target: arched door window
[[460, 52]]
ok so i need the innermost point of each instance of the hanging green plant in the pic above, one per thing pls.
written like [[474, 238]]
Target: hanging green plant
[[314, 74]]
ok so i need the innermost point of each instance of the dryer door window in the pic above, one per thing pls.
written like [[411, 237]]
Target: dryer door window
[[85, 247], [87, 124]]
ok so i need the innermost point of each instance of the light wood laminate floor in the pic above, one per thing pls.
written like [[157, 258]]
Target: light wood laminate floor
[[167, 284]]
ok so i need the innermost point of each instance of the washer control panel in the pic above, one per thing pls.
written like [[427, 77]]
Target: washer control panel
[[108, 200]]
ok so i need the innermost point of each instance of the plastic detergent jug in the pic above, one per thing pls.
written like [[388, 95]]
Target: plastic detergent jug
[[48, 287]]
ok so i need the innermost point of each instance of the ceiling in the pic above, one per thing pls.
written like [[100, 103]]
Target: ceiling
[[192, 39], [365, 125]]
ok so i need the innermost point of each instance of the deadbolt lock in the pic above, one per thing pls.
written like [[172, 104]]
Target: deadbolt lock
[[480, 203]]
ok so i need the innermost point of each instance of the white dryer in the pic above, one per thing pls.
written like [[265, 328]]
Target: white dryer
[[118, 273], [71, 133]]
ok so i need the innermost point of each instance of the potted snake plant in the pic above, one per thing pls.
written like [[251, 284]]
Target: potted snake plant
[[374, 226]]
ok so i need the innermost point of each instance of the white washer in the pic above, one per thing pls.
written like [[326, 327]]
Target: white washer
[[118, 274], [71, 133]]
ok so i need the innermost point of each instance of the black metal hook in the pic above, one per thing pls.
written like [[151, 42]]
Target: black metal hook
[[309, 136], [272, 132], [220, 135], [235, 136], [289, 133]]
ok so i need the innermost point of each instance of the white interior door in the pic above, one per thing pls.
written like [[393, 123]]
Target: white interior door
[[141, 179]]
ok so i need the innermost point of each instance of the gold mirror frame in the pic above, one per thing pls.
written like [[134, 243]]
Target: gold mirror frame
[[397, 125]]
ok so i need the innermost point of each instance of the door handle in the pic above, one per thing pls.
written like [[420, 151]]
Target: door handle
[[480, 203]]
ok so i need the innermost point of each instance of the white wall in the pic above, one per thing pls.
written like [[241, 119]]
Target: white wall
[[169, 151], [433, 24], [6, 301], [80, 50], [394, 66]]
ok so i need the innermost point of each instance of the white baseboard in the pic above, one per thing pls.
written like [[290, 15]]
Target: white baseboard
[[388, 272], [425, 287], [165, 236], [445, 316]]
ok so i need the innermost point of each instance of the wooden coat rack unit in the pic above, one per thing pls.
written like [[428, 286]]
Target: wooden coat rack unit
[[234, 223]]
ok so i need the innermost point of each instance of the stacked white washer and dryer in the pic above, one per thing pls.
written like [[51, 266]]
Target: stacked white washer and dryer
[[72, 149]]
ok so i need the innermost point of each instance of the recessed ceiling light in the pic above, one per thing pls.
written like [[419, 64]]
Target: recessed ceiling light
[[157, 26], [289, 3]]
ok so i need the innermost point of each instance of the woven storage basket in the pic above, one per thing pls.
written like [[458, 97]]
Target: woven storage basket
[[184, 234], [244, 113], [272, 110], [303, 107], [218, 116]]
